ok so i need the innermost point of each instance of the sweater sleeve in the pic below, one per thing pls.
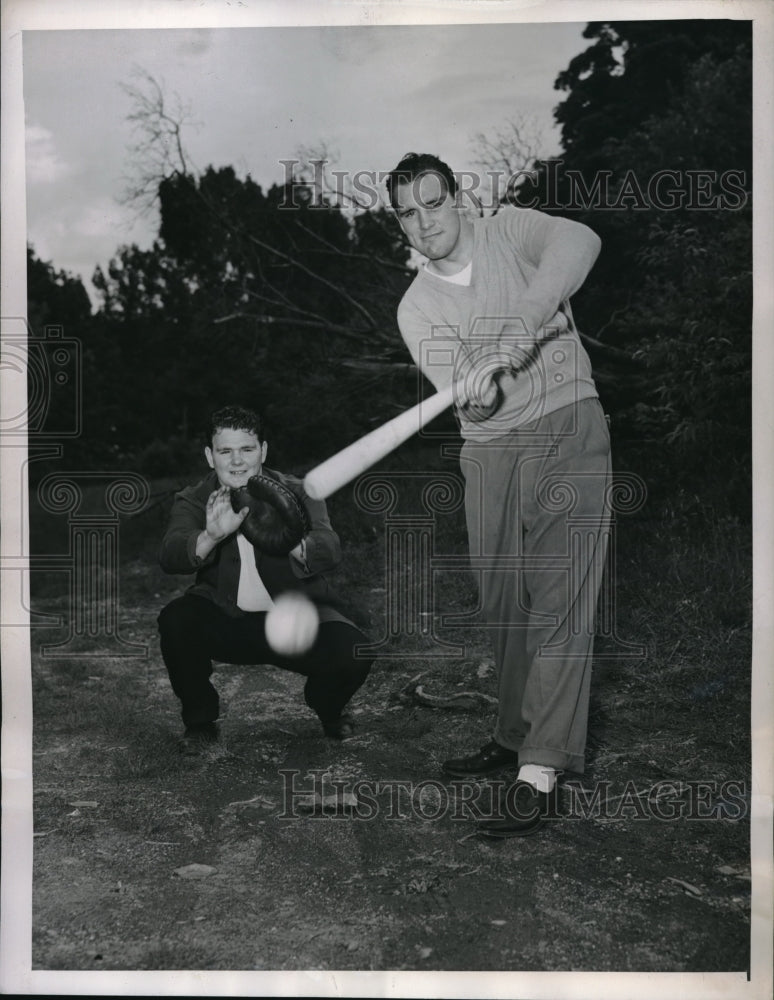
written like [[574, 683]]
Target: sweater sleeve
[[562, 253], [321, 545], [320, 549], [435, 355]]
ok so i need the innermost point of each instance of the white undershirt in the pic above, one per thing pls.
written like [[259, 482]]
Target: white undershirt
[[460, 278], [252, 594]]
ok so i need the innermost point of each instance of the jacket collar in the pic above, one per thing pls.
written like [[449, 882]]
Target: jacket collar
[[203, 488]]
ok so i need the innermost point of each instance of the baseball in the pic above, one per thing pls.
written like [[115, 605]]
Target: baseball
[[292, 624]]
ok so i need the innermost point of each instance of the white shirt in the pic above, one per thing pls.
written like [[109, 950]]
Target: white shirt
[[252, 594], [458, 278]]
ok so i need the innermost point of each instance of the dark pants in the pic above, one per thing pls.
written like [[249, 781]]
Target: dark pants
[[194, 632]]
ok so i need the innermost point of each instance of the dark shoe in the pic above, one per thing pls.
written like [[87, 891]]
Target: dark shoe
[[523, 810], [338, 729], [491, 757], [196, 739]]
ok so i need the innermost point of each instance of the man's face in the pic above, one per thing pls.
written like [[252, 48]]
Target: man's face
[[428, 215], [235, 456]]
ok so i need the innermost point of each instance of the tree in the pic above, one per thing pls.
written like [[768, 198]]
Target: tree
[[509, 152], [696, 266], [157, 150], [54, 297], [672, 286], [285, 296], [57, 359], [632, 72]]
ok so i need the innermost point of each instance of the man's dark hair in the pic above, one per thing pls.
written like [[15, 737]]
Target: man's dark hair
[[235, 418], [414, 165]]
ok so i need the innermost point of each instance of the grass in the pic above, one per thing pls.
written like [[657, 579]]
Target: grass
[[683, 590], [310, 894]]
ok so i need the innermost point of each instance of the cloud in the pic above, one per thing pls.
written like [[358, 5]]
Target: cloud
[[370, 92], [101, 220], [195, 43], [44, 164], [355, 46], [78, 233]]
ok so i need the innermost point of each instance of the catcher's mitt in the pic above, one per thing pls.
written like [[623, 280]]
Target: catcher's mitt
[[277, 520]]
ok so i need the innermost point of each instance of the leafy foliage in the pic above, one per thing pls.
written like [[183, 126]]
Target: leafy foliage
[[631, 73], [53, 297], [260, 297], [673, 285]]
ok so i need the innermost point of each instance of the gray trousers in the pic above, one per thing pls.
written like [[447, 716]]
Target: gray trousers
[[538, 517]]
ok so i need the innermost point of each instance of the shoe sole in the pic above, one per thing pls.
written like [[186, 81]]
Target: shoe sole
[[508, 834], [480, 774]]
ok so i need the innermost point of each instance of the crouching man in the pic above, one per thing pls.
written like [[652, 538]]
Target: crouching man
[[222, 616]]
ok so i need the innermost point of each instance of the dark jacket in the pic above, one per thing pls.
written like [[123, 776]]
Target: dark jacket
[[217, 575]]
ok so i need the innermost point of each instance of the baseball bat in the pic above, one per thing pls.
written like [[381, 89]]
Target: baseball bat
[[347, 464]]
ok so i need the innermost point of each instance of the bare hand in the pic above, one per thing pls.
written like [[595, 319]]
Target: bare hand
[[484, 397], [222, 519]]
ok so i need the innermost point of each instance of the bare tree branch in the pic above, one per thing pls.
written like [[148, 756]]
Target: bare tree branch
[[509, 151], [614, 316], [306, 316], [157, 151], [319, 324], [359, 307], [313, 171], [407, 271]]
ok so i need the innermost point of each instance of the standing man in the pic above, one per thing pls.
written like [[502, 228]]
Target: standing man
[[223, 614], [489, 311]]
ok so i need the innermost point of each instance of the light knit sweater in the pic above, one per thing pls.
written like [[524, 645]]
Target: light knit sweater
[[525, 264]]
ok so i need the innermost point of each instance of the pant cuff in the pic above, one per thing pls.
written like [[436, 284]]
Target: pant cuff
[[509, 742], [559, 760]]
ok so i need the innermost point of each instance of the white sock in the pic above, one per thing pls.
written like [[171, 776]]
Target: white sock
[[539, 776]]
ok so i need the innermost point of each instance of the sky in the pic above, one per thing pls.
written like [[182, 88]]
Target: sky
[[256, 96]]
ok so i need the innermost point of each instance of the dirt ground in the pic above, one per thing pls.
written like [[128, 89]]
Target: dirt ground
[[120, 815], [647, 871]]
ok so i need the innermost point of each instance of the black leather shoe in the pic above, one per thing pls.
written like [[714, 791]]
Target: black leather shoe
[[523, 809], [338, 729], [492, 757], [196, 739]]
